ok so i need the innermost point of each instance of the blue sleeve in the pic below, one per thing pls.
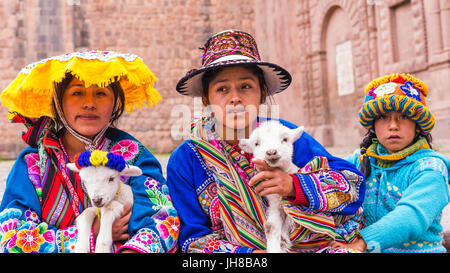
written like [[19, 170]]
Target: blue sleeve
[[417, 210], [20, 192], [354, 158], [20, 214], [184, 169]]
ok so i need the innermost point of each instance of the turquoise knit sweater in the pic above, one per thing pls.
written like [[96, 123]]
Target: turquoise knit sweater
[[403, 204]]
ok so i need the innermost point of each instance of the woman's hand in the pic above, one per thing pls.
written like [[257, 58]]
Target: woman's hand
[[119, 227], [273, 180]]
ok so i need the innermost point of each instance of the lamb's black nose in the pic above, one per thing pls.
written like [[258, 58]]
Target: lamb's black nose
[[97, 201], [271, 152]]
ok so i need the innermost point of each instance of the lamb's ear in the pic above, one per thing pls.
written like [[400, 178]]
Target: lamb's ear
[[245, 145], [73, 167], [131, 170], [296, 133]]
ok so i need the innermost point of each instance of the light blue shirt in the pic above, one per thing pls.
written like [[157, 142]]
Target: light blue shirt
[[403, 203]]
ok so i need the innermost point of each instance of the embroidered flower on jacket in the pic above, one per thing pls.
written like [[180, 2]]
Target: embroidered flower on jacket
[[218, 246], [152, 183], [173, 226], [32, 160], [160, 198], [126, 148], [34, 172], [29, 240], [145, 240], [32, 216], [69, 237], [7, 231], [163, 231]]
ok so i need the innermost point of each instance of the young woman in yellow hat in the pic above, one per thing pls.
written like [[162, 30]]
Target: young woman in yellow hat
[[71, 103]]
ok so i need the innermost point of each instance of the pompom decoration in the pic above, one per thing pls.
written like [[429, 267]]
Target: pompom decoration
[[82, 159], [100, 158], [116, 162]]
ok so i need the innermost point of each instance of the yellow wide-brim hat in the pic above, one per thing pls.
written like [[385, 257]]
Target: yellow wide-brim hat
[[31, 92]]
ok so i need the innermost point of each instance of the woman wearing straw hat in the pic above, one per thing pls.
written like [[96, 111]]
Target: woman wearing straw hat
[[212, 182], [69, 104]]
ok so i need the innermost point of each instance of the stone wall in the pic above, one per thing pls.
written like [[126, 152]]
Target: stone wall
[[319, 42]]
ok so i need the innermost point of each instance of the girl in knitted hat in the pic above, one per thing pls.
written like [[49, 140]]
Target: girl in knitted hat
[[69, 104], [213, 183], [406, 180]]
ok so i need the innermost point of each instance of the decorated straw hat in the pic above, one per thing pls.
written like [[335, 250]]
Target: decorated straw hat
[[231, 48], [30, 93], [397, 92]]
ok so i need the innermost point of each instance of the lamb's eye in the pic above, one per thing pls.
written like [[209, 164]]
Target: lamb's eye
[[111, 179], [256, 143], [285, 139]]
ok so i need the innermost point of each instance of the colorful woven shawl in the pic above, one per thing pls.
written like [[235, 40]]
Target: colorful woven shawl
[[242, 210], [62, 198]]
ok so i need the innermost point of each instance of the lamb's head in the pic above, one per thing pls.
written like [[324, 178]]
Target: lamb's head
[[100, 173], [272, 142]]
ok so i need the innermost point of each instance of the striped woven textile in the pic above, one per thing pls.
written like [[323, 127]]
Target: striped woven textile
[[242, 210], [62, 198]]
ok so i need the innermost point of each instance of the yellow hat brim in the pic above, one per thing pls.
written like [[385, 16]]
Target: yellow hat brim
[[31, 92]]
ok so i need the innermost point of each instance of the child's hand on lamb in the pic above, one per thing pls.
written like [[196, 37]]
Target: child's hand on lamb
[[271, 180]]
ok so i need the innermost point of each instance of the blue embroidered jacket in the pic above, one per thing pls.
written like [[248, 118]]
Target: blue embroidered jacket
[[153, 224]]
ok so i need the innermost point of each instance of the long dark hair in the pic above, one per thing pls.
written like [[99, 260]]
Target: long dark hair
[[365, 167], [60, 88]]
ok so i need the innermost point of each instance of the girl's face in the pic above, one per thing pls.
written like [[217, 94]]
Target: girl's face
[[395, 131], [234, 95], [87, 110]]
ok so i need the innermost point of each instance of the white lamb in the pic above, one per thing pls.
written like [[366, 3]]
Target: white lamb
[[108, 196], [273, 143]]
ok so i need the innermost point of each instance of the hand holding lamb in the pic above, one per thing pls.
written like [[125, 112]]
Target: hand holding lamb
[[273, 143], [100, 174]]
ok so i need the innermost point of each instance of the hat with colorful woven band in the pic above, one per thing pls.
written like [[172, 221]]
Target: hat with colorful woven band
[[30, 93], [231, 48], [397, 92]]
